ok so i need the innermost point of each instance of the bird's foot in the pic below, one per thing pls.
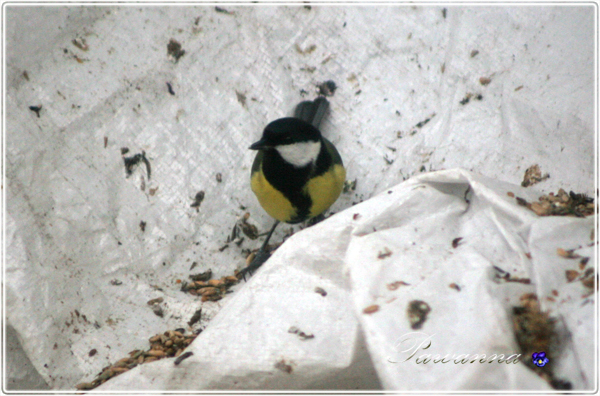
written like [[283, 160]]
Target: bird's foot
[[258, 260]]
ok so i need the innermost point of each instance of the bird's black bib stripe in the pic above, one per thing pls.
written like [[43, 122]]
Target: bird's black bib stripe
[[290, 181]]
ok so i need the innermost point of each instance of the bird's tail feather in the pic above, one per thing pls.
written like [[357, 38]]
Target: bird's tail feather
[[312, 111]]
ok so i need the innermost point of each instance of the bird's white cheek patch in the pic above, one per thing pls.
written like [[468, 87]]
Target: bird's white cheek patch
[[300, 154]]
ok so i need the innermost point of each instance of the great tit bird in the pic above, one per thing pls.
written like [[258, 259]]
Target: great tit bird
[[297, 174]]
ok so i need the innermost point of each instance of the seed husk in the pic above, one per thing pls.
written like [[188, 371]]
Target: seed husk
[[85, 386], [156, 353]]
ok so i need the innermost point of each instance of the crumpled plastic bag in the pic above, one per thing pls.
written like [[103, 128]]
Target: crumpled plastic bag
[[349, 281]]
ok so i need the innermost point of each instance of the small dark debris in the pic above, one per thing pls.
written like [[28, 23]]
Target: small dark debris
[[198, 200], [155, 301], [580, 199], [25, 75], [456, 242], [184, 287], [385, 253], [508, 278], [36, 109], [196, 317], [143, 226], [203, 276], [105, 141], [182, 357], [170, 88], [241, 98], [474, 53], [219, 178], [116, 282], [571, 275], [303, 336], [124, 150], [248, 229], [484, 81], [131, 162], [349, 186], [521, 201], [321, 291], [454, 286], [92, 352], [174, 49], [395, 285], [283, 366], [224, 11], [80, 43], [417, 313], [194, 264], [444, 12], [421, 124], [158, 311], [466, 99], [533, 175], [327, 88], [307, 7]]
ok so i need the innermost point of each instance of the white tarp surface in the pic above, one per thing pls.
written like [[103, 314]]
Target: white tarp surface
[[73, 218]]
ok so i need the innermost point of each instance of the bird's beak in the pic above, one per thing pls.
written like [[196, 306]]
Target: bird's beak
[[260, 145]]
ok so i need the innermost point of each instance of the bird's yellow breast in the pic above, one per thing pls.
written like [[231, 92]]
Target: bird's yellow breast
[[272, 201], [323, 190]]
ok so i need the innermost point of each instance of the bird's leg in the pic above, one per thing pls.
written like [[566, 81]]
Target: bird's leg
[[261, 256]]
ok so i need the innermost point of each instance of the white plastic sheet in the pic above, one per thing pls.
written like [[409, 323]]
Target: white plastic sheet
[[402, 235], [73, 218]]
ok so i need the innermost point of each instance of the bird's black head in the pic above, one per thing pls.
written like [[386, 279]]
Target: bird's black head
[[286, 131]]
